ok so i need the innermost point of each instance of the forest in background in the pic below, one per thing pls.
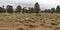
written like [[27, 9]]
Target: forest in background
[[35, 9]]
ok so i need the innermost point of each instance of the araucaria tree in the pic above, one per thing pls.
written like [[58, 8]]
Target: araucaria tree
[[58, 9], [36, 8], [9, 9], [18, 9]]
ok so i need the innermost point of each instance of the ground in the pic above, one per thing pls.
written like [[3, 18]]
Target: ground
[[18, 21]]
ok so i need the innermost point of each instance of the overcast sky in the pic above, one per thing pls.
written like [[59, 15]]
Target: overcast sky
[[44, 4]]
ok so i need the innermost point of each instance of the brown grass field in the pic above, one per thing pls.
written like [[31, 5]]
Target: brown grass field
[[18, 21]]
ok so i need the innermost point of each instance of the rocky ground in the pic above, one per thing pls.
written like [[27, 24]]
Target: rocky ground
[[17, 21]]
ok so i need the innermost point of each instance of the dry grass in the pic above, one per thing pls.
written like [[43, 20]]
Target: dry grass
[[18, 21]]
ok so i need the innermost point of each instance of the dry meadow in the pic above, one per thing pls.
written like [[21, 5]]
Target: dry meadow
[[18, 21]]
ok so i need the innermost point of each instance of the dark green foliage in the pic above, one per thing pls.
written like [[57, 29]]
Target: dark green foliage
[[24, 10], [58, 9], [18, 9], [52, 10], [46, 10], [9, 9], [32, 10], [29, 11], [1, 10], [49, 10], [36, 8]]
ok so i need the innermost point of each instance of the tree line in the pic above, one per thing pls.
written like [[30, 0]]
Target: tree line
[[19, 9], [35, 9], [53, 10]]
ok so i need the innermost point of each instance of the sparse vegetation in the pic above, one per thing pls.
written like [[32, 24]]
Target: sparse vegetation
[[13, 20], [31, 18], [57, 28]]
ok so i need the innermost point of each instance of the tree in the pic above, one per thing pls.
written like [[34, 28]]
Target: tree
[[3, 9], [0, 10], [58, 9], [32, 10], [24, 10], [9, 9], [46, 10], [49, 10], [18, 9], [36, 8], [29, 10], [52, 10]]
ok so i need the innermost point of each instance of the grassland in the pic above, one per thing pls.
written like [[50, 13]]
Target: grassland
[[18, 21]]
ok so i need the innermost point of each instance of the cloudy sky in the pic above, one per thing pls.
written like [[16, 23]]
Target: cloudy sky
[[44, 4]]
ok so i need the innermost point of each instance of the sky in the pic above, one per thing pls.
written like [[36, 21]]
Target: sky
[[44, 4]]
